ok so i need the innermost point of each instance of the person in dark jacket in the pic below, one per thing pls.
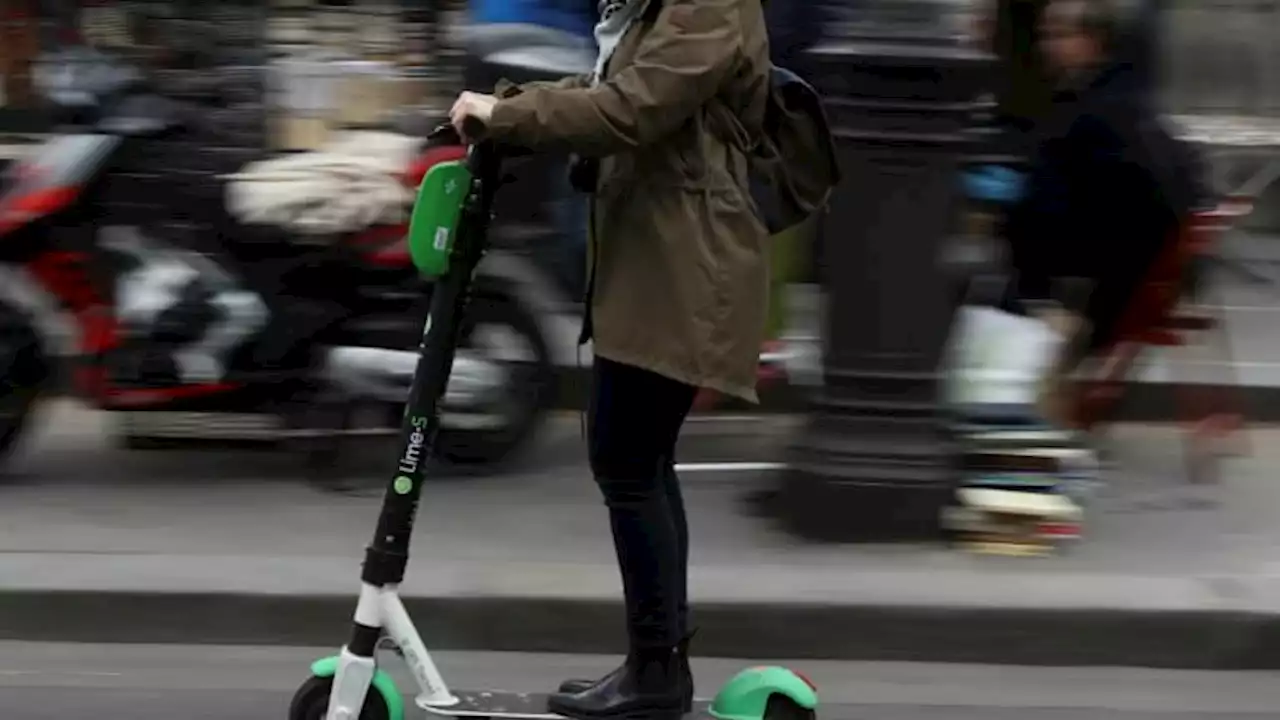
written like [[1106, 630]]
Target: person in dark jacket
[[1109, 184]]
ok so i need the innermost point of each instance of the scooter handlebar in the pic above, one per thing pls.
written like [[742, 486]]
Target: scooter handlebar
[[479, 155], [473, 127], [445, 133]]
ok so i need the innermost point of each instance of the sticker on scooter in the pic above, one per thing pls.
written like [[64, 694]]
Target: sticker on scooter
[[434, 222]]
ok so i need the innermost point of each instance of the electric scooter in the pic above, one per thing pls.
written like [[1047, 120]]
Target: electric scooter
[[448, 232]]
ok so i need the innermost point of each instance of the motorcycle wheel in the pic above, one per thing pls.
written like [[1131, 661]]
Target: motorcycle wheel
[[495, 431], [23, 369]]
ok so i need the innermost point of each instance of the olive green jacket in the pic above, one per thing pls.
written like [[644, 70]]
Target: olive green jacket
[[679, 261]]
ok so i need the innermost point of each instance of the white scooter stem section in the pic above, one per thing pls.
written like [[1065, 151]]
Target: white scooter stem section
[[382, 607], [398, 623], [351, 683]]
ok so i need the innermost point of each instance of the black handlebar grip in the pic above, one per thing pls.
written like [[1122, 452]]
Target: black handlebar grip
[[473, 128], [445, 133]]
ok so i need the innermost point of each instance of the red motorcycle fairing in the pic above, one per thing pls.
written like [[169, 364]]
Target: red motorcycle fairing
[[64, 274], [392, 251], [384, 246], [52, 177], [50, 180]]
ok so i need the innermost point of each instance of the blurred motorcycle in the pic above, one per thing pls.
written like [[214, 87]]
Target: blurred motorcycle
[[255, 336]]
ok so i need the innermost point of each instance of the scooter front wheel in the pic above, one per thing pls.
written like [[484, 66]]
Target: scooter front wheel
[[781, 707], [311, 702]]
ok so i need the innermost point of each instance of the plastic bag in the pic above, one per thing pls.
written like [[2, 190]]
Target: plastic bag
[[998, 358]]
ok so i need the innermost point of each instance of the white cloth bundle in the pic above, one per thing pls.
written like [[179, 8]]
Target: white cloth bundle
[[352, 183], [995, 357]]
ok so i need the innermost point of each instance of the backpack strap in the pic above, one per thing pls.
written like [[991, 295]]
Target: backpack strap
[[651, 11]]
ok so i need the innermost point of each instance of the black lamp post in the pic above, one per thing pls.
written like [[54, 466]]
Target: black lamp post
[[873, 462]]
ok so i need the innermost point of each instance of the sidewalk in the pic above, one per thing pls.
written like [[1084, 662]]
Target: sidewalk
[[97, 545]]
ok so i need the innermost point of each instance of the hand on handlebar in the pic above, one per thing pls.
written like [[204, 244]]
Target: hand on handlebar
[[470, 115]]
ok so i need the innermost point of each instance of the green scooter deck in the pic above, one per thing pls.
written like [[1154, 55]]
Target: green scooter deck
[[517, 706], [433, 225]]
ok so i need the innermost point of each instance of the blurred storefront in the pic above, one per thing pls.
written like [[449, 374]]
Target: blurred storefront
[[377, 56], [1219, 71], [19, 45], [1221, 57]]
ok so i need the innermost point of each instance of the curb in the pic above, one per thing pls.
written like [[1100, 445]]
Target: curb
[[1209, 639]]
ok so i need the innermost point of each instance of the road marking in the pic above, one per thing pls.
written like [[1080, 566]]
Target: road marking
[[1249, 308], [67, 673], [728, 467]]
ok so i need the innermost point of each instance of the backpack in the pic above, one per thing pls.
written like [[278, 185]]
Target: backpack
[[793, 169]]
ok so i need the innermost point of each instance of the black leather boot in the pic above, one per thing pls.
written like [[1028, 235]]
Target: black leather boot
[[578, 685], [649, 685]]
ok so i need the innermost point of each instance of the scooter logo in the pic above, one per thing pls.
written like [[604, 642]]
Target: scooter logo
[[402, 485], [412, 457]]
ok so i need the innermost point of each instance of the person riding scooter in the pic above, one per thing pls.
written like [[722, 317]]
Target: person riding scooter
[[677, 293]]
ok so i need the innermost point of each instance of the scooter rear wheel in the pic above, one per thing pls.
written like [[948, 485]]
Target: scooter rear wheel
[[311, 702]]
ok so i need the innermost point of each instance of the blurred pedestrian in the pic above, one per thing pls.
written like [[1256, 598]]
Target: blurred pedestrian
[[678, 288], [497, 25], [1109, 185], [562, 32]]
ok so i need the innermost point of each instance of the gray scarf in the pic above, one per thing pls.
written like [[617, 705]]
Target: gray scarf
[[616, 17]]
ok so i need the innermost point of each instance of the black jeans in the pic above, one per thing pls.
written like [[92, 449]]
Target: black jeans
[[634, 420]]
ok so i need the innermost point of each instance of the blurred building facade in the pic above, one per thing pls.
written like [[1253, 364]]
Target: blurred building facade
[[1220, 57], [312, 63], [1213, 57]]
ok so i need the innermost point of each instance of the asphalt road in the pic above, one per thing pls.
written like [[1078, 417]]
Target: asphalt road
[[139, 682]]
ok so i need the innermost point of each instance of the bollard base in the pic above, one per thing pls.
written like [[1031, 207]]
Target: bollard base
[[871, 486]]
